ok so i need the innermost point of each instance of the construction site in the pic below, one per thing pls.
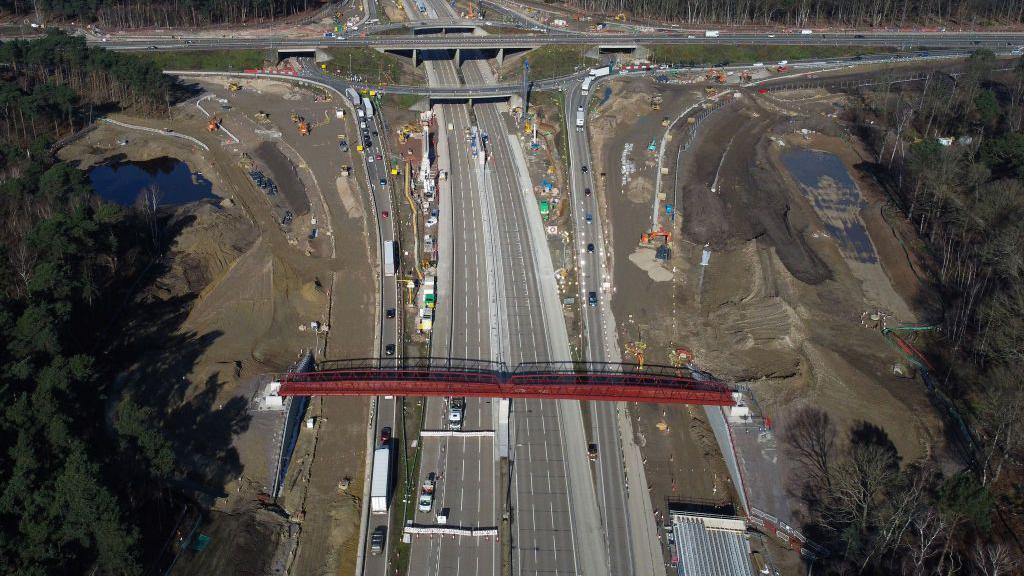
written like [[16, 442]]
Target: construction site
[[765, 258]]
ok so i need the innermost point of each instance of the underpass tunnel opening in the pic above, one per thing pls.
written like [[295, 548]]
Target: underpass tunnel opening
[[626, 50], [423, 30], [468, 99], [283, 55]]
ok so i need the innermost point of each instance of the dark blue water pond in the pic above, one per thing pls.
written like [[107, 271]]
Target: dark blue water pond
[[825, 181], [122, 182]]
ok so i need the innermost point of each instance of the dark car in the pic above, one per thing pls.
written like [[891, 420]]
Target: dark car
[[590, 248], [585, 169], [587, 192], [592, 452], [592, 298], [377, 540], [385, 435], [390, 313], [383, 181], [389, 350]]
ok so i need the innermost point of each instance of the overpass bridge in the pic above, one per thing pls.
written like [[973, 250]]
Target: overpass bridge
[[408, 42], [600, 381]]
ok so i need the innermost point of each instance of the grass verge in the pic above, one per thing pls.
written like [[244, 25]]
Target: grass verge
[[550, 61], [715, 55], [407, 484], [230, 60], [403, 101], [368, 64]]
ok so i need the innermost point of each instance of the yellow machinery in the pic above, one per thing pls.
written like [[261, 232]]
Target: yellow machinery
[[637, 350], [234, 87], [620, 17]]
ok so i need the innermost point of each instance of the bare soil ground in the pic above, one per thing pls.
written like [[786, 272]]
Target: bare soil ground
[[231, 303], [779, 306]]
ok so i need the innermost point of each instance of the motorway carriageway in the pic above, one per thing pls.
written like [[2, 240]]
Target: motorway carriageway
[[465, 469]]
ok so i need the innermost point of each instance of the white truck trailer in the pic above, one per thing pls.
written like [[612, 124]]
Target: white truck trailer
[[352, 96], [602, 71], [580, 117], [711, 33], [389, 258], [368, 107], [381, 480]]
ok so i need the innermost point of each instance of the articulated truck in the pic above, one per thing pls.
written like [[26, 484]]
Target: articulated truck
[[380, 481]]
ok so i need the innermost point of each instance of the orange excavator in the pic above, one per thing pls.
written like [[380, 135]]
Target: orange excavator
[[303, 127], [716, 75], [213, 125], [648, 237]]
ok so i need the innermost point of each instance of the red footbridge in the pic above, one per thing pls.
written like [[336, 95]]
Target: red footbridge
[[609, 382]]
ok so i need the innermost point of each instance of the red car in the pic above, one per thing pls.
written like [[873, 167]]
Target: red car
[[762, 91], [385, 214], [379, 157], [385, 435]]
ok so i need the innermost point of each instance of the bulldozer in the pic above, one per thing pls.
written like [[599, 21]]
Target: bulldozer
[[655, 102]]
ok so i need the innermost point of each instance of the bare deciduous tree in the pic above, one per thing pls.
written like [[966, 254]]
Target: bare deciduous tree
[[995, 559], [810, 440]]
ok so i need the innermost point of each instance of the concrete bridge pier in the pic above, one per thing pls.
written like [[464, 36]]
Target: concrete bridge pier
[[415, 58], [500, 57], [458, 57]]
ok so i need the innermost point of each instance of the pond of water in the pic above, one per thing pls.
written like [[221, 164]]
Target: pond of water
[[825, 181], [123, 182]]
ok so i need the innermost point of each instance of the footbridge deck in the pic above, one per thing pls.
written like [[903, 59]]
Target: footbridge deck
[[611, 382]]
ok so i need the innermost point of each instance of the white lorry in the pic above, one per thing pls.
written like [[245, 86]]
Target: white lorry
[[711, 33], [368, 107], [602, 71], [580, 116], [380, 480], [389, 258]]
